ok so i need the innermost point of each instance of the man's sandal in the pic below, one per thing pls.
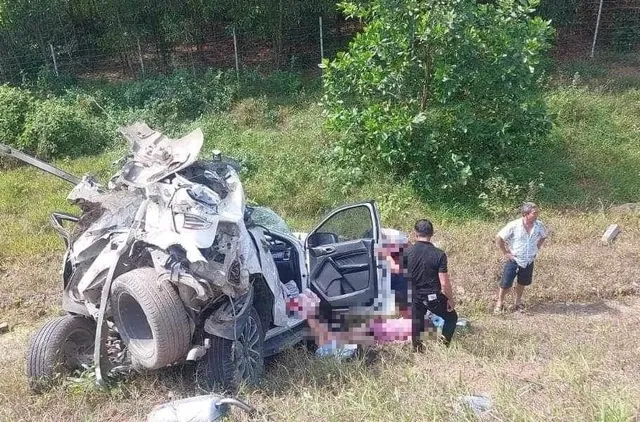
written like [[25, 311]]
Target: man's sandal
[[498, 310], [519, 307]]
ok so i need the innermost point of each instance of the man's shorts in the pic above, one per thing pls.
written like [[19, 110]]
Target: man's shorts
[[511, 270]]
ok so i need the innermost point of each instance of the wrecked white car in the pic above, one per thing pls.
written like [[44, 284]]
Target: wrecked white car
[[167, 264]]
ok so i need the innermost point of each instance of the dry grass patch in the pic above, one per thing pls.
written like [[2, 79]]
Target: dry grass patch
[[559, 362], [572, 266], [30, 289]]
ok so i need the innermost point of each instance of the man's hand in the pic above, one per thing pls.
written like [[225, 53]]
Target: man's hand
[[509, 256], [451, 305]]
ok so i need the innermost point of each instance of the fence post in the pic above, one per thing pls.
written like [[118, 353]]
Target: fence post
[[321, 39], [595, 34], [235, 49], [140, 57], [193, 65], [55, 63]]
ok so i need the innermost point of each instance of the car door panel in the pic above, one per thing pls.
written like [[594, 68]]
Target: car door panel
[[343, 273]]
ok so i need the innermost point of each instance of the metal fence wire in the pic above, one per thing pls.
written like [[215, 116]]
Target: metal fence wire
[[592, 28], [584, 28], [224, 47]]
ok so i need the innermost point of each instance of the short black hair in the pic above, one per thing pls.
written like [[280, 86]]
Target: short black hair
[[424, 227]]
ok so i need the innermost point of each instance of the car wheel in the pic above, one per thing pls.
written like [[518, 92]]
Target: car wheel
[[230, 362], [150, 318], [58, 348]]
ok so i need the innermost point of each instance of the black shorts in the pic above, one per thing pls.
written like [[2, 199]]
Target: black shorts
[[511, 270]]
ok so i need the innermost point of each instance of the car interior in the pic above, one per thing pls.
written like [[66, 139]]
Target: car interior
[[286, 258]]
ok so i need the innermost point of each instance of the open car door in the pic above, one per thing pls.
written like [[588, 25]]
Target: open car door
[[340, 257]]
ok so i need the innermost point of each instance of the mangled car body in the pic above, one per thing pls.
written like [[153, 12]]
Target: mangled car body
[[166, 263]]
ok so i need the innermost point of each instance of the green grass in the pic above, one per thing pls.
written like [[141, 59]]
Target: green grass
[[591, 161], [593, 156]]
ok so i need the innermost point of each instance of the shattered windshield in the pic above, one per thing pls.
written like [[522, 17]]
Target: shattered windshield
[[268, 219]]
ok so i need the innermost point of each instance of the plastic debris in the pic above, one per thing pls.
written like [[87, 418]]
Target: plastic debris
[[478, 404], [463, 323], [291, 289], [612, 232], [341, 352], [4, 327], [206, 408], [437, 321]]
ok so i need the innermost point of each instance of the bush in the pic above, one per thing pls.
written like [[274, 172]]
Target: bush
[[57, 129], [15, 104], [446, 92], [179, 96]]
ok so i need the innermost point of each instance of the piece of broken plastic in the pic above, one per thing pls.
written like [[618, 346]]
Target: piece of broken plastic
[[206, 408], [479, 404], [339, 351], [463, 323], [291, 289]]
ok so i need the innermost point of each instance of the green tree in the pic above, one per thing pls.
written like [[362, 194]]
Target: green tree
[[446, 92]]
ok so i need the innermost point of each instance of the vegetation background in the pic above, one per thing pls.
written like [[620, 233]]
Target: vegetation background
[[573, 357]]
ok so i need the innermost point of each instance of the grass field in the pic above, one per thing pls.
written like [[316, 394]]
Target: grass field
[[574, 356]]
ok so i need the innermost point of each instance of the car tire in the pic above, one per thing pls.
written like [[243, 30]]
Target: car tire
[[150, 318], [58, 348], [230, 362]]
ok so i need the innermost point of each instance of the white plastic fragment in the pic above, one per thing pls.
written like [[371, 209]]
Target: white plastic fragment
[[612, 232]]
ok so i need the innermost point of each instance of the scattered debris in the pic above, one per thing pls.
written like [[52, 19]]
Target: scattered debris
[[611, 233], [206, 408], [463, 323], [4, 327], [479, 404], [340, 352]]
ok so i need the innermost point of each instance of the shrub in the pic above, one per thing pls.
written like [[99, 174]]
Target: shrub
[[446, 92], [174, 98], [15, 104], [56, 129]]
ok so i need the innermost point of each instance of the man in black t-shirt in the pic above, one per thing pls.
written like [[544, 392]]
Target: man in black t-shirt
[[430, 286]]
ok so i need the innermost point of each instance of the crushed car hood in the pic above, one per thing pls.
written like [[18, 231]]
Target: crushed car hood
[[155, 156]]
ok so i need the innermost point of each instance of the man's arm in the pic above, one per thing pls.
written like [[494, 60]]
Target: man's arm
[[543, 235], [447, 290], [503, 248], [445, 281], [541, 241], [393, 265]]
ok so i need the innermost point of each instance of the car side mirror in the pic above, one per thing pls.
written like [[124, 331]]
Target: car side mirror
[[319, 239]]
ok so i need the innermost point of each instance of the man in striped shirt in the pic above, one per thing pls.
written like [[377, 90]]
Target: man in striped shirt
[[519, 242]]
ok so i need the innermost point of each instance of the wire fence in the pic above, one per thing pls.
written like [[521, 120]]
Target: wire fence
[[585, 28], [228, 48], [596, 28]]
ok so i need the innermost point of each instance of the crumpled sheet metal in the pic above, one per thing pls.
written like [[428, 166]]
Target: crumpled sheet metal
[[143, 176], [270, 272], [156, 156]]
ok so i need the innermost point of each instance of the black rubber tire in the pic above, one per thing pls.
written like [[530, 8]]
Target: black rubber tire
[[150, 318], [224, 369], [58, 348]]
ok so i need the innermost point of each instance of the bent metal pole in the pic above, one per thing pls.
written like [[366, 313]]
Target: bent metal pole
[[12, 152]]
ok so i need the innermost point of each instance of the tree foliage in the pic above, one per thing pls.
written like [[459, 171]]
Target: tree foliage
[[446, 92]]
